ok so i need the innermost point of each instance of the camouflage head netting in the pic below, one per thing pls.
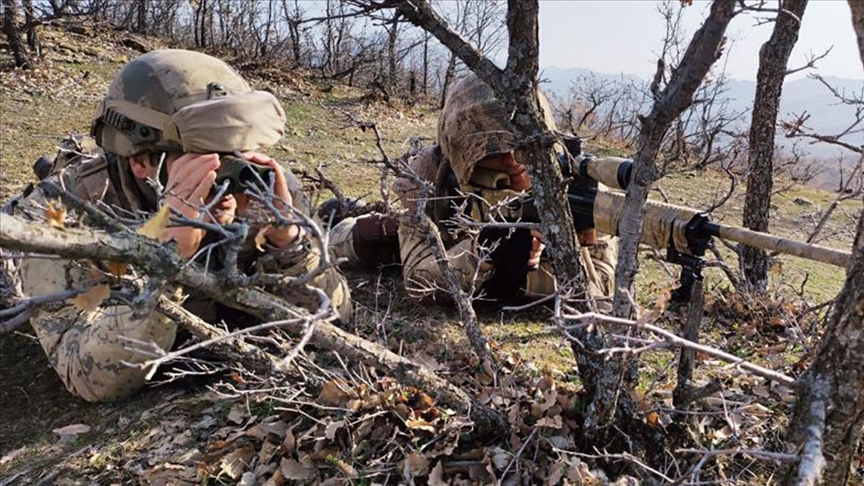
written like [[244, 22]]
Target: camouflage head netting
[[474, 124]]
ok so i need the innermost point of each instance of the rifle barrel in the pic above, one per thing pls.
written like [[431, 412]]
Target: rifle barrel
[[779, 244]]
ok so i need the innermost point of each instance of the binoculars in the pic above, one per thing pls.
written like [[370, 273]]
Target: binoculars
[[240, 174]]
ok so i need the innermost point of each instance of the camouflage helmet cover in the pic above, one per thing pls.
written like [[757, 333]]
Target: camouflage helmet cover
[[474, 124], [184, 101]]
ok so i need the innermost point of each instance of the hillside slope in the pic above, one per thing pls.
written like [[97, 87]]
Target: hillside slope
[[200, 430]]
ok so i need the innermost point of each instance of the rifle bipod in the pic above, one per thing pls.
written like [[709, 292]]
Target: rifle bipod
[[691, 272]]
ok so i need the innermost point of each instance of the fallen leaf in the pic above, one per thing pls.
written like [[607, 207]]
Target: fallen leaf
[[347, 469], [556, 472], [294, 470], [155, 227], [653, 419], [420, 424], [55, 213], [289, 444], [237, 414], [414, 465], [427, 361], [333, 428], [500, 458], [74, 429], [268, 450], [90, 300], [332, 394], [261, 237], [436, 476], [235, 463], [277, 479], [551, 422], [118, 269]]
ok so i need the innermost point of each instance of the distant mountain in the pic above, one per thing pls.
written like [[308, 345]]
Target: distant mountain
[[827, 116]]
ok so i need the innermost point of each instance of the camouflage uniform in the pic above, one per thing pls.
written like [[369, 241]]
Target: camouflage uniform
[[87, 348], [472, 126]]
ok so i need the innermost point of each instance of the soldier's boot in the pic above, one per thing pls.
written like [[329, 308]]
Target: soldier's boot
[[370, 240]]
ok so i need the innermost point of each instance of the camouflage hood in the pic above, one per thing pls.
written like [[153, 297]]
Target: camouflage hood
[[183, 101], [474, 124]]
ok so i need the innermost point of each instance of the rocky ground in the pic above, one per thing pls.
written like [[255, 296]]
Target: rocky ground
[[353, 426]]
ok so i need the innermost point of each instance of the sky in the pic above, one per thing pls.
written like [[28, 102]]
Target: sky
[[626, 36]]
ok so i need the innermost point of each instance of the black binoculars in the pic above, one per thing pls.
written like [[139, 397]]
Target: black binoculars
[[240, 174]]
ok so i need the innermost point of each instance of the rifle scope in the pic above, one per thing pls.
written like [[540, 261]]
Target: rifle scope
[[613, 172]]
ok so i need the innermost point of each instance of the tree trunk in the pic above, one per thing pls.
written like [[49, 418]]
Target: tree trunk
[[829, 413], [834, 386], [30, 20], [141, 17], [704, 49], [857, 8], [425, 63], [448, 78], [773, 59], [10, 28], [392, 38]]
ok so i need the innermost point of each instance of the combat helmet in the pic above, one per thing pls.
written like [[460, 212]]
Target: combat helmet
[[474, 124], [183, 101]]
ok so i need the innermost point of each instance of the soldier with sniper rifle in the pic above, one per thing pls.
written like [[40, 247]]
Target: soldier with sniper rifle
[[475, 175]]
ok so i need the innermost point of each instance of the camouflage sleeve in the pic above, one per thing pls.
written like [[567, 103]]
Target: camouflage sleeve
[[301, 258], [420, 269], [86, 348]]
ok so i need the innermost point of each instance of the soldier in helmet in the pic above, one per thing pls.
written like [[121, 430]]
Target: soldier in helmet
[[175, 110], [475, 156]]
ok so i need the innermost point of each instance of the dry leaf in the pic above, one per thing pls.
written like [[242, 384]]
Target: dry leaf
[[55, 213], [155, 227], [333, 428], [93, 298], [653, 419], [237, 414], [261, 237], [556, 472], [294, 470], [436, 476], [332, 394], [420, 425], [72, 429], [118, 269], [277, 479], [414, 465], [289, 444], [551, 422], [237, 461], [500, 458], [347, 469]]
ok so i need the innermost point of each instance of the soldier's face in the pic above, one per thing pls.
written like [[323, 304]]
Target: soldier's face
[[506, 163]]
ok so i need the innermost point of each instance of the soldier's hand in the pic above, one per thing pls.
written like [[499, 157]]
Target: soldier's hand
[[190, 180], [537, 247], [278, 237]]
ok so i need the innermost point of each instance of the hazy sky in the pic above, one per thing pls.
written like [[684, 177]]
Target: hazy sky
[[626, 36]]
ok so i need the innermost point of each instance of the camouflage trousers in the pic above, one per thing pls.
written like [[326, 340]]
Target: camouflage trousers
[[96, 353]]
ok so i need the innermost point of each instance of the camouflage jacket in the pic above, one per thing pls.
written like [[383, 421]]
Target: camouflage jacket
[[88, 348]]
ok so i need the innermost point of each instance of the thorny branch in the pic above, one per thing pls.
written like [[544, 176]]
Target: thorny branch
[[669, 339]]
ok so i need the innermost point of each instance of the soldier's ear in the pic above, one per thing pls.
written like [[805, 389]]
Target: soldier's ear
[[140, 165]]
